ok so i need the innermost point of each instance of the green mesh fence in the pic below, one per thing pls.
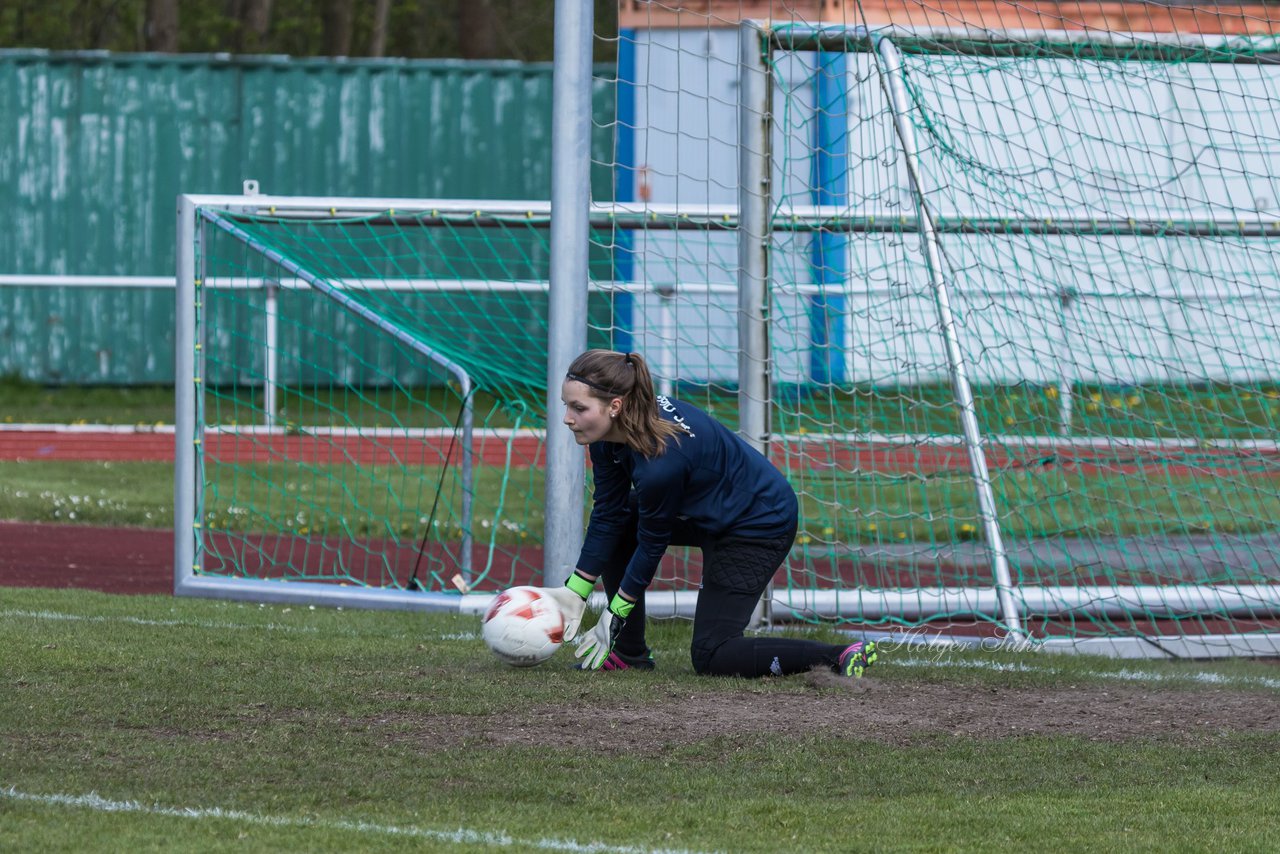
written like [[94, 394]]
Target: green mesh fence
[[374, 398]]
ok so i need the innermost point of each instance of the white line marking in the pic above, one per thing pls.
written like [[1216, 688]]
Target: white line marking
[[1127, 675], [201, 624], [461, 836], [139, 621]]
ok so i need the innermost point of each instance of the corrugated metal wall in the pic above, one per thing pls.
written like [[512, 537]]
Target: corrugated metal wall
[[94, 149]]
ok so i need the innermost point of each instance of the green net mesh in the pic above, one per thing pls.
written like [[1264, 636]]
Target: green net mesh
[[374, 398], [1106, 226], [1105, 231]]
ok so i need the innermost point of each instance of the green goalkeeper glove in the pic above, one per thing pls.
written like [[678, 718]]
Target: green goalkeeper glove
[[572, 601], [594, 647]]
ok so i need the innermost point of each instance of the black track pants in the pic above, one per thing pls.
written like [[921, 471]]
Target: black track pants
[[735, 572]]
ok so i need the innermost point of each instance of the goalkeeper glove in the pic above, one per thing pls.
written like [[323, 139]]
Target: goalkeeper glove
[[572, 601], [594, 647]]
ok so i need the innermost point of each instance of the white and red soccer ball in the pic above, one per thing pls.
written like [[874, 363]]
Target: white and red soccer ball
[[523, 627]]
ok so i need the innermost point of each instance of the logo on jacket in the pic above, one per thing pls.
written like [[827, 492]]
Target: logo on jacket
[[665, 404]]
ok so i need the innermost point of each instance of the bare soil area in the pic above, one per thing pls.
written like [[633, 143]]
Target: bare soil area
[[890, 712]]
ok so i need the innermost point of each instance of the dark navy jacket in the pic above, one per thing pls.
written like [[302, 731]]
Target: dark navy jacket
[[708, 475]]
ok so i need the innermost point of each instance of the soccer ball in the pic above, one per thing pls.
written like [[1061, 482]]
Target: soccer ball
[[523, 627]]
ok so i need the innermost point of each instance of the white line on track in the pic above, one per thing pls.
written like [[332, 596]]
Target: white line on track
[[461, 836], [139, 621], [1126, 675]]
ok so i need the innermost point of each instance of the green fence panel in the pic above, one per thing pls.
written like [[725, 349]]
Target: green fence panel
[[95, 148]]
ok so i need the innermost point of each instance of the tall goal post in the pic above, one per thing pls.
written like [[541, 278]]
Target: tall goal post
[[1248, 592], [570, 242], [755, 165], [946, 320]]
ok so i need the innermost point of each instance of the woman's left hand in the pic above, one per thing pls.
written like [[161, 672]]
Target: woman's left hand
[[594, 646]]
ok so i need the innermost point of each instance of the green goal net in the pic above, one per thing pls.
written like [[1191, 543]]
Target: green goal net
[[1004, 311], [370, 396], [1024, 364]]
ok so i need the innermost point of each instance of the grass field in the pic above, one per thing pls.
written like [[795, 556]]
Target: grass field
[[153, 723], [896, 504], [147, 723], [1156, 411], [1052, 503]]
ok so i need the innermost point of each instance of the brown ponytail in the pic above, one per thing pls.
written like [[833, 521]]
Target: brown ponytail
[[608, 374]]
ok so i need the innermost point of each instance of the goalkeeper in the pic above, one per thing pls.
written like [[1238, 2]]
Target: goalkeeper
[[666, 473]]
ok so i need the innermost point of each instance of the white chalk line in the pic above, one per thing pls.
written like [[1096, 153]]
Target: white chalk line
[[199, 624], [140, 621], [460, 836], [1126, 675]]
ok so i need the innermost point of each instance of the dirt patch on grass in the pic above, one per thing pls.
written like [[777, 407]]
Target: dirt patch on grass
[[889, 712]]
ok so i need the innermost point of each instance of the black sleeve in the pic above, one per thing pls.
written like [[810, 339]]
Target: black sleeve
[[609, 510], [660, 498]]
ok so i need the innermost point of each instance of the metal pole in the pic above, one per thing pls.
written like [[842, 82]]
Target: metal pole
[[667, 349], [901, 105], [755, 124], [270, 367], [184, 468], [567, 298], [1065, 299], [468, 474], [1089, 44], [754, 196]]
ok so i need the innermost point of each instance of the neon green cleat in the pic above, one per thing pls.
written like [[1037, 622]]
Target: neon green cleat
[[856, 658]]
